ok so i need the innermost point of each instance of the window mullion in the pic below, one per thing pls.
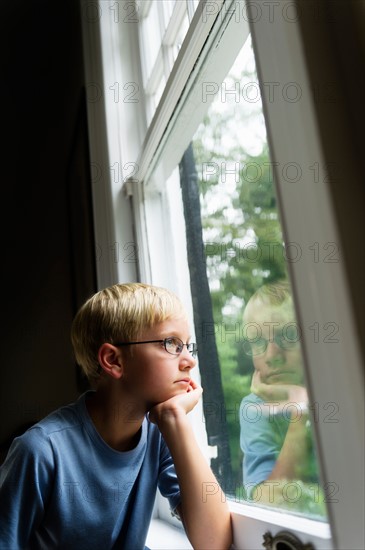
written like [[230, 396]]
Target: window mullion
[[174, 23], [155, 75], [193, 43]]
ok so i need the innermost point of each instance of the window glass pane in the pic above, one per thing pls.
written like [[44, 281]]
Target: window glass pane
[[150, 39], [272, 450], [168, 8], [161, 32], [258, 418], [183, 29]]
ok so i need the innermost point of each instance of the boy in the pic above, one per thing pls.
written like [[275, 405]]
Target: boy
[[86, 475], [276, 442]]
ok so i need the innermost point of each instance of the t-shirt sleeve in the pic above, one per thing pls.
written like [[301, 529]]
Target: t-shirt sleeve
[[167, 481], [25, 483]]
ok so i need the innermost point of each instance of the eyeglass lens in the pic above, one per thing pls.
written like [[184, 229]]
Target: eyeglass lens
[[175, 346], [260, 345]]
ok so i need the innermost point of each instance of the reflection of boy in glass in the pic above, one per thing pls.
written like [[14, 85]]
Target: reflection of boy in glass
[[275, 440]]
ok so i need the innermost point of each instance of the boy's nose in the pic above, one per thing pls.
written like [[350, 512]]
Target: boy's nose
[[274, 354], [186, 360]]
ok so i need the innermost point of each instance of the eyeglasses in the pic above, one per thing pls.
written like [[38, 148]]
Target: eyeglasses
[[172, 345], [259, 346]]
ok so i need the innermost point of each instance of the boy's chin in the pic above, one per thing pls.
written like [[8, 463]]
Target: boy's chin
[[285, 379], [170, 395]]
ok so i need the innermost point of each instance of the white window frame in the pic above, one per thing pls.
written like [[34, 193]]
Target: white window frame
[[321, 289], [119, 134]]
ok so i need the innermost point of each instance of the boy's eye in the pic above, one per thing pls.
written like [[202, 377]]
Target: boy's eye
[[260, 344], [287, 339], [291, 336], [255, 347], [173, 345]]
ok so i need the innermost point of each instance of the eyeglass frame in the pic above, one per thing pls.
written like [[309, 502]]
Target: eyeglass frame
[[193, 351], [290, 344]]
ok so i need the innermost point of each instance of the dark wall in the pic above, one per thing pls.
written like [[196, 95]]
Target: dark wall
[[46, 223]]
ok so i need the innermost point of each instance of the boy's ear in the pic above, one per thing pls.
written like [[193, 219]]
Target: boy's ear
[[110, 360]]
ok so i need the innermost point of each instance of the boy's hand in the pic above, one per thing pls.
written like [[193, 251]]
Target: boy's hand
[[176, 406], [282, 393], [207, 521]]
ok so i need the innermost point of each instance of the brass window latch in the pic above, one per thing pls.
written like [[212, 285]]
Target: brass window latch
[[285, 541]]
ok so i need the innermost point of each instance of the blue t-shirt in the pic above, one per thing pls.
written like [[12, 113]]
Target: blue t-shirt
[[262, 437], [62, 486]]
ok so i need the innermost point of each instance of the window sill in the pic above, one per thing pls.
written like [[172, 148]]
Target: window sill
[[162, 535]]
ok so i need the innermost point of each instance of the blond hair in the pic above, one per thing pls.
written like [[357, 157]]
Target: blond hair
[[273, 294], [119, 313]]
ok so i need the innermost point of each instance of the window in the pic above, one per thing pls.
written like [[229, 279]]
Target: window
[[246, 255], [242, 299], [162, 29], [150, 141]]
